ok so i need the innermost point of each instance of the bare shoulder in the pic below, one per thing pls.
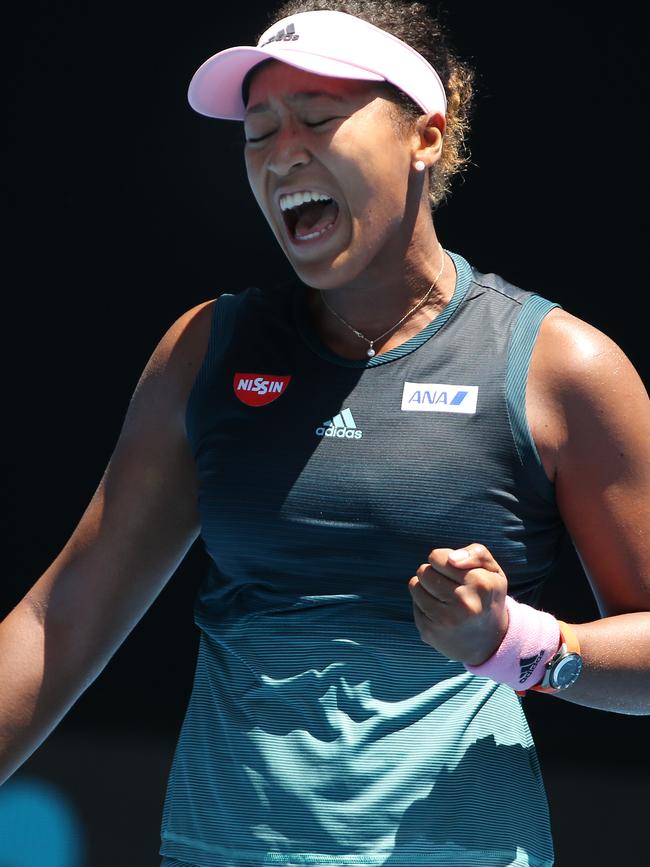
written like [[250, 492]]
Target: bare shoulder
[[175, 362], [580, 379], [573, 353]]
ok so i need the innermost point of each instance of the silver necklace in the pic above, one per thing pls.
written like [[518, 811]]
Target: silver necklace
[[370, 352]]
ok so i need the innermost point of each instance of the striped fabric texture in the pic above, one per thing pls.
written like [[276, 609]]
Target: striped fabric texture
[[321, 730]]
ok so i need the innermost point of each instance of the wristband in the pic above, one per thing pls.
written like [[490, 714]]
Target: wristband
[[531, 639]]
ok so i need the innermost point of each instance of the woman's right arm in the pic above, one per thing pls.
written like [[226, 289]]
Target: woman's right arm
[[134, 533]]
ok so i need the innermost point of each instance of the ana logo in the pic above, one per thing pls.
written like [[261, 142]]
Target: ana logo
[[439, 397], [341, 427], [258, 389]]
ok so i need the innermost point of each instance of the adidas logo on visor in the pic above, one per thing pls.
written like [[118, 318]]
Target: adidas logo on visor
[[285, 35], [342, 426]]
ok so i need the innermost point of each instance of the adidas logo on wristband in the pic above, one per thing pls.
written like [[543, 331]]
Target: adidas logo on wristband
[[528, 665]]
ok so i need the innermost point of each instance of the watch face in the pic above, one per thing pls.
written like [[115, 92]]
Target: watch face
[[566, 671]]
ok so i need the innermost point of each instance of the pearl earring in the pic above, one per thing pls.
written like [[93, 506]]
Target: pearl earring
[[419, 166]]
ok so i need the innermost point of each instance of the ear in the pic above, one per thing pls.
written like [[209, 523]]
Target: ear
[[428, 137]]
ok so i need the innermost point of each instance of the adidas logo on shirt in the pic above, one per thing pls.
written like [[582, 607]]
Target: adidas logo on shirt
[[342, 426]]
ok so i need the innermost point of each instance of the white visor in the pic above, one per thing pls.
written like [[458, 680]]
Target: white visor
[[324, 42]]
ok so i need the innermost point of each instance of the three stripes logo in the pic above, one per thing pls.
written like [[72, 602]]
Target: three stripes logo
[[285, 35], [342, 426], [527, 666]]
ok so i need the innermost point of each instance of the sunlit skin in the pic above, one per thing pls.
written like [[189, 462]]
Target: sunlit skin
[[306, 131]]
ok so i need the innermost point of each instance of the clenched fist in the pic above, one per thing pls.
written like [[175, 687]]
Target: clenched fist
[[459, 603]]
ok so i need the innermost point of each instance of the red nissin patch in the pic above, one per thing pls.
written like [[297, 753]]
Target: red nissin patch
[[258, 389]]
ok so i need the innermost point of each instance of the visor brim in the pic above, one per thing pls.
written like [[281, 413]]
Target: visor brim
[[216, 87]]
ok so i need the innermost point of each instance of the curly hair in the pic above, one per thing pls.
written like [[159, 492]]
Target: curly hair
[[413, 23]]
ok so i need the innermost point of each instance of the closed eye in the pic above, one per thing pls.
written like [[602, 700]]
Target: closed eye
[[261, 138], [321, 122], [309, 124]]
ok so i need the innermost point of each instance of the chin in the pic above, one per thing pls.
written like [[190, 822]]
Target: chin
[[336, 271], [324, 275]]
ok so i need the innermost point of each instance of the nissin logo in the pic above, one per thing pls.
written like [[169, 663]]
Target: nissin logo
[[439, 397], [258, 389]]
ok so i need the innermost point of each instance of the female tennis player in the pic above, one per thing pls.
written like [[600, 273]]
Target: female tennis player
[[381, 457]]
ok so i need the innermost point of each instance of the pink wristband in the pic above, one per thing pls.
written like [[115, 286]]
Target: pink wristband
[[532, 639]]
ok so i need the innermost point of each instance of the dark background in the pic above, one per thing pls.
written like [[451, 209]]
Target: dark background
[[126, 208]]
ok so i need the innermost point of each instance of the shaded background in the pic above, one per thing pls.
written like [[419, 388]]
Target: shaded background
[[125, 209]]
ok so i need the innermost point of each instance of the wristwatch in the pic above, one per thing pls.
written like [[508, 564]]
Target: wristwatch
[[563, 669]]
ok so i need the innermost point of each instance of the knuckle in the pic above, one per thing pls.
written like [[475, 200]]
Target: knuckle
[[483, 582], [438, 556], [464, 592], [479, 551], [470, 603]]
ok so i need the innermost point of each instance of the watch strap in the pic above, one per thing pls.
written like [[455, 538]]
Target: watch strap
[[569, 639]]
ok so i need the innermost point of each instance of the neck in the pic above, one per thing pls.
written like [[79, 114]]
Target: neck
[[375, 310]]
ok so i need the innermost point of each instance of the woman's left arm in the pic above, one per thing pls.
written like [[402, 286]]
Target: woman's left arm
[[590, 417]]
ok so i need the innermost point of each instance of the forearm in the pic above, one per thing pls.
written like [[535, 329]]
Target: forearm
[[616, 665], [38, 685]]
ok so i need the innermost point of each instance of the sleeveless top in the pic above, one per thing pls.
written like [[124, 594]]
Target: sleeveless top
[[321, 729]]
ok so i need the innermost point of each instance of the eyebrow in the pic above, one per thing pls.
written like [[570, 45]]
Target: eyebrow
[[298, 97]]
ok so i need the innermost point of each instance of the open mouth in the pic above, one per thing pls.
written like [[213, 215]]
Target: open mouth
[[309, 215]]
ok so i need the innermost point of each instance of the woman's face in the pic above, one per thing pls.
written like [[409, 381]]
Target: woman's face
[[337, 140]]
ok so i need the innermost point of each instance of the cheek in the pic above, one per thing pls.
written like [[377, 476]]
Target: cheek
[[252, 174], [378, 207], [374, 176]]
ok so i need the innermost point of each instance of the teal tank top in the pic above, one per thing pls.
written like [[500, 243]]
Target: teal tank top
[[321, 729]]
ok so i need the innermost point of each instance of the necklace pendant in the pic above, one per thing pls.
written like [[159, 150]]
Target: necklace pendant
[[371, 352]]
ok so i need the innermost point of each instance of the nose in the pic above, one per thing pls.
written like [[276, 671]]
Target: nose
[[289, 151]]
